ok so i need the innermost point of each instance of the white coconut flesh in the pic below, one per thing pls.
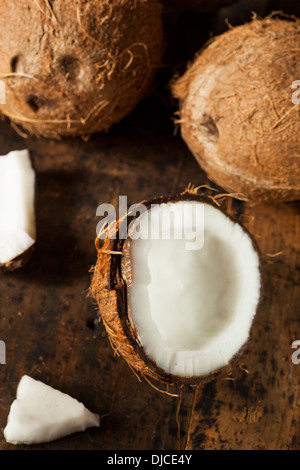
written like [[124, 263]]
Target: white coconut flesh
[[41, 413], [192, 308], [17, 213]]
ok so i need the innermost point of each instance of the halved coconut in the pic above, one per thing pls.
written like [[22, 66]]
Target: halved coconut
[[17, 209], [179, 295]]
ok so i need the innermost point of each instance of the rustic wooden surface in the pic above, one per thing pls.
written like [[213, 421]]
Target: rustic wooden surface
[[48, 323]]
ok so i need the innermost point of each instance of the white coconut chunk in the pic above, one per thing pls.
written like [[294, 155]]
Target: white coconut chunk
[[41, 413], [193, 308], [17, 205]]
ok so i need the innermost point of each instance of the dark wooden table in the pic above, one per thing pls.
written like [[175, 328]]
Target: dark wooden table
[[48, 322]]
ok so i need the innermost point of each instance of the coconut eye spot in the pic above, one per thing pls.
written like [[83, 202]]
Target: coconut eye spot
[[33, 102], [210, 127], [69, 66], [40, 105], [193, 309], [16, 65]]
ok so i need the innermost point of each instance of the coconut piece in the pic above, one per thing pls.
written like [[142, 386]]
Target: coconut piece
[[200, 6], [177, 310], [74, 68], [17, 209], [41, 413], [237, 114]]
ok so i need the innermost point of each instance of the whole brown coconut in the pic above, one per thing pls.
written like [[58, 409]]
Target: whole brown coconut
[[239, 109], [171, 313], [201, 6], [76, 66]]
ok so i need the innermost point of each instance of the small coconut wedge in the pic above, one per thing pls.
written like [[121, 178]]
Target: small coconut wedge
[[42, 414], [17, 209], [179, 292]]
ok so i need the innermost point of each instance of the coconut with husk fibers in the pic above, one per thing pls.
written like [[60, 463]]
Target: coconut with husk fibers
[[239, 109], [77, 67], [179, 304]]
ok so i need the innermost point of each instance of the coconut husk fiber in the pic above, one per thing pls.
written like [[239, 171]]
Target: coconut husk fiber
[[237, 114], [74, 67]]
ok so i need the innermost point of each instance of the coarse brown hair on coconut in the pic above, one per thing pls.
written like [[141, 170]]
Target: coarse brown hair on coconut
[[111, 278], [74, 67], [236, 109]]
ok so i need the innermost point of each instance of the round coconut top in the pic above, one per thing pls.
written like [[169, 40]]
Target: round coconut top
[[239, 110], [76, 67]]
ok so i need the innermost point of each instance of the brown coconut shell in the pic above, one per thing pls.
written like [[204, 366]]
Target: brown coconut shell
[[74, 67], [200, 6], [236, 110], [111, 278]]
